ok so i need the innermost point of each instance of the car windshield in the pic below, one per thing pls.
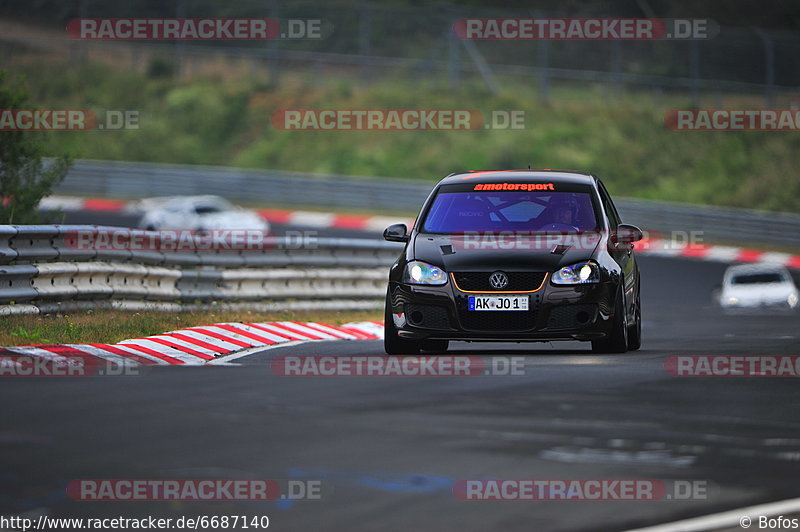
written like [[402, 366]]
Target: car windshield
[[545, 211], [207, 209], [758, 278]]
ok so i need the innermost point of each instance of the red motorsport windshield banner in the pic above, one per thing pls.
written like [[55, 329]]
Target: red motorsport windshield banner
[[386, 366], [600, 489], [732, 119], [514, 186], [733, 366], [193, 489], [378, 119]]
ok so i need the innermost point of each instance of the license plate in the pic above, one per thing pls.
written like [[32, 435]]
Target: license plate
[[498, 302]]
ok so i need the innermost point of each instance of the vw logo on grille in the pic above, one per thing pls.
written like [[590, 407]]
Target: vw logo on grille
[[498, 280]]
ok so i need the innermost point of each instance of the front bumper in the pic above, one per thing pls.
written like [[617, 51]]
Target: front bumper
[[581, 312], [779, 304]]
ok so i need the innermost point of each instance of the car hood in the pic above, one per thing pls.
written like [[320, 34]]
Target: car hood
[[471, 253]]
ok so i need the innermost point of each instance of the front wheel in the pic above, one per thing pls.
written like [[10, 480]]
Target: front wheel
[[635, 330], [617, 340], [392, 343]]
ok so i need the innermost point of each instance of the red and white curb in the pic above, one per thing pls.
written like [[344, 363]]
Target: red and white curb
[[74, 204], [198, 345], [315, 219], [329, 220]]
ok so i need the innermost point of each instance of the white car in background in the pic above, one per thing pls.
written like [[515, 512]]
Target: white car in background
[[758, 285], [198, 213]]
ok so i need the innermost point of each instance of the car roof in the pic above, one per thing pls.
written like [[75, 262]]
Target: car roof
[[182, 200], [519, 176], [755, 268]]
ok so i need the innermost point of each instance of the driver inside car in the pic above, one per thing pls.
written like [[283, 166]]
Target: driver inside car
[[560, 211]]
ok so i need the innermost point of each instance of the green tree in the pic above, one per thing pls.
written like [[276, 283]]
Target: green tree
[[25, 178]]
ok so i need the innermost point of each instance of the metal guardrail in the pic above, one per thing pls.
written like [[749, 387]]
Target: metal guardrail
[[717, 224], [136, 180], [43, 266]]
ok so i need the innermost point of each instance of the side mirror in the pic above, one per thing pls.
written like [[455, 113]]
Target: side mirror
[[396, 233], [626, 234], [716, 294]]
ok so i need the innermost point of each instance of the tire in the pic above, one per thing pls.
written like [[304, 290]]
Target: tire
[[392, 343], [617, 340], [635, 330], [435, 346]]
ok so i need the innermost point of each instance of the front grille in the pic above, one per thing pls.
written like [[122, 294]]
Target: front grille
[[517, 281], [499, 320], [427, 316]]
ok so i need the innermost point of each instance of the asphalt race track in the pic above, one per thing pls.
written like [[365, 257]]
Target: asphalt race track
[[388, 449]]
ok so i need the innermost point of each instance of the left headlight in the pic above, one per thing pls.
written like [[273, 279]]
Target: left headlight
[[417, 272], [581, 273]]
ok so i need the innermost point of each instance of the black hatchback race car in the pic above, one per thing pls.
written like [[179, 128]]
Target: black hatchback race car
[[515, 256]]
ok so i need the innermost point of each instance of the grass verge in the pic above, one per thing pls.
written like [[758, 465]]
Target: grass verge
[[220, 120]]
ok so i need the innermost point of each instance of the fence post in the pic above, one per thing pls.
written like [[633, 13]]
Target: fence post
[[180, 12], [769, 65], [694, 68], [454, 59], [480, 64], [83, 53], [616, 65], [272, 48], [364, 38], [658, 95], [543, 64]]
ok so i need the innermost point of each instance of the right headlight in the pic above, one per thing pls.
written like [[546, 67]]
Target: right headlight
[[418, 272], [580, 273]]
